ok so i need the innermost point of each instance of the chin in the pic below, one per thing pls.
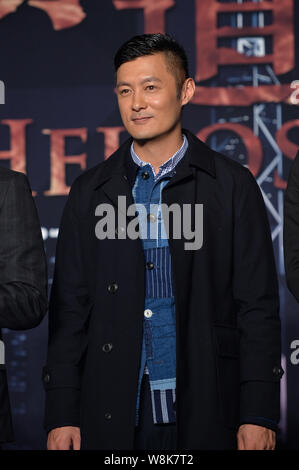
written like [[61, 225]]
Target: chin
[[145, 135]]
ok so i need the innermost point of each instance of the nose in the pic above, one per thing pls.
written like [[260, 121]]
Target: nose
[[138, 101]]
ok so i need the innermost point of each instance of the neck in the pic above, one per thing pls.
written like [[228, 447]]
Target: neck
[[159, 150]]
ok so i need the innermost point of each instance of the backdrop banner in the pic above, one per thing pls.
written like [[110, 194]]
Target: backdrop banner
[[59, 116]]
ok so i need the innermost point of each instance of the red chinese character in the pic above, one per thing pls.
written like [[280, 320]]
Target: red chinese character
[[249, 48], [63, 13], [154, 12]]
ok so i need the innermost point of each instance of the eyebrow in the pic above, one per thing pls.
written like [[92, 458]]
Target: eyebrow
[[147, 79]]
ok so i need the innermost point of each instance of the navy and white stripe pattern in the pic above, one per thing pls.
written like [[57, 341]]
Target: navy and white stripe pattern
[[158, 280], [163, 411], [158, 357]]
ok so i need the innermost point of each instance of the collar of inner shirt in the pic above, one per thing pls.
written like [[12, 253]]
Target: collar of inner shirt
[[167, 166]]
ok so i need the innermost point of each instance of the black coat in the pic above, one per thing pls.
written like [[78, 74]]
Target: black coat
[[226, 294], [23, 274], [291, 229]]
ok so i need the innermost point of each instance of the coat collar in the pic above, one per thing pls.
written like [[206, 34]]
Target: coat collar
[[120, 163]]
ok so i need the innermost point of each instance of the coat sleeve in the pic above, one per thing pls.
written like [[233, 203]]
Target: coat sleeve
[[68, 317], [291, 229], [255, 288], [23, 273]]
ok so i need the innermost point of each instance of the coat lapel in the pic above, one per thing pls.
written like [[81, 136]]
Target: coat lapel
[[182, 189], [117, 179]]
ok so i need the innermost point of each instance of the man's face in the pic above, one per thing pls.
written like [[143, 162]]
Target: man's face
[[147, 97]]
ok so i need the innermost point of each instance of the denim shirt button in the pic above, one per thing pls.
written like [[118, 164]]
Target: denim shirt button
[[151, 218], [148, 313]]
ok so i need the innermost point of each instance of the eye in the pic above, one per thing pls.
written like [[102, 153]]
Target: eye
[[124, 91], [150, 87]]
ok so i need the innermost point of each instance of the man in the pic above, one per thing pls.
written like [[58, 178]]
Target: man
[[154, 343], [23, 276], [291, 229]]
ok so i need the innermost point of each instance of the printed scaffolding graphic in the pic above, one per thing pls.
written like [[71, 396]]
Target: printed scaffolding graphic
[[242, 47]]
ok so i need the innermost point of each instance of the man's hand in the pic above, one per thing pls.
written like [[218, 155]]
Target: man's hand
[[64, 438], [253, 437]]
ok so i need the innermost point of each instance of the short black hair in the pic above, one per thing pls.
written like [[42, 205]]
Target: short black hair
[[149, 44]]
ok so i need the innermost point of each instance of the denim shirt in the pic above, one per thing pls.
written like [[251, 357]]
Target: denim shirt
[[158, 357]]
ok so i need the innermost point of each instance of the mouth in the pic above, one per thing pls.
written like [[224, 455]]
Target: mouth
[[141, 120]]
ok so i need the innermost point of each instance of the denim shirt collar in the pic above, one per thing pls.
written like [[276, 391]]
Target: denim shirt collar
[[167, 166]]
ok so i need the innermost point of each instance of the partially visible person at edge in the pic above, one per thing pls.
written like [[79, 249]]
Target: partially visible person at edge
[[151, 345], [23, 273], [291, 229]]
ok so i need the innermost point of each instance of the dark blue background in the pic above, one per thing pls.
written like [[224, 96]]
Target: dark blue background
[[64, 79]]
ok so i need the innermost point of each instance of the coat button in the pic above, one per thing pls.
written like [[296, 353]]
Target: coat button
[[47, 378], [120, 230], [108, 416], [150, 265], [112, 288], [277, 371], [107, 347], [145, 175]]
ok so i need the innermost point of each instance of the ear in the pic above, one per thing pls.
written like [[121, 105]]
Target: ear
[[188, 90]]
